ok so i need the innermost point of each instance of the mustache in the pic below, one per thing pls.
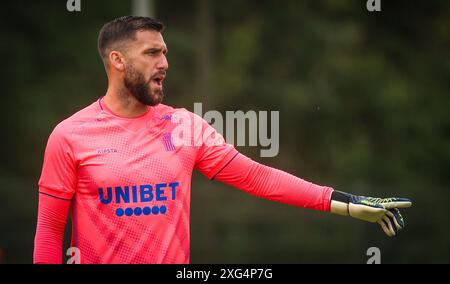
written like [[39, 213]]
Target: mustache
[[158, 74]]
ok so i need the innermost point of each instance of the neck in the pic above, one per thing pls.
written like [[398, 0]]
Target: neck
[[122, 103]]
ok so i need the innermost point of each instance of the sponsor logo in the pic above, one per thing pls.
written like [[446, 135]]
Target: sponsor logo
[[127, 196]]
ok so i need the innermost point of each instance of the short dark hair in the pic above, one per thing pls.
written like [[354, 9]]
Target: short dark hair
[[121, 29]]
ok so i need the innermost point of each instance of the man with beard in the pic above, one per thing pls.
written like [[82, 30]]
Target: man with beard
[[127, 184]]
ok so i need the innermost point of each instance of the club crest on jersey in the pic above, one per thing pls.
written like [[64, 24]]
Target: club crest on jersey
[[126, 195], [168, 143]]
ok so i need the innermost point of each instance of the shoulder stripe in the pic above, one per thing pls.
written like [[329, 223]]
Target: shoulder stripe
[[224, 166], [54, 196]]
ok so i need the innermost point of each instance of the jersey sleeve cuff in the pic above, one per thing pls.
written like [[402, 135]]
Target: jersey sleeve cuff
[[326, 197]]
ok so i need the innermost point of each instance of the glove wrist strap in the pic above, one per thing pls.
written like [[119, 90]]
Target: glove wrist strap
[[339, 203], [340, 196]]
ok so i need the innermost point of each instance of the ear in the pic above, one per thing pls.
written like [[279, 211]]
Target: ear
[[117, 60]]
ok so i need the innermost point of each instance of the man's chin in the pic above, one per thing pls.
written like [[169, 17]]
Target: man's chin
[[156, 99], [150, 100]]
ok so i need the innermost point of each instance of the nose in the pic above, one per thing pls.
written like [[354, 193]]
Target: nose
[[163, 64]]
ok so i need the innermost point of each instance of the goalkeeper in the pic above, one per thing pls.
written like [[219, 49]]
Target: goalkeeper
[[114, 167]]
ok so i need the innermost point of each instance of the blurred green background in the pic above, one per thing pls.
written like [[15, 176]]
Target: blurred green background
[[363, 101]]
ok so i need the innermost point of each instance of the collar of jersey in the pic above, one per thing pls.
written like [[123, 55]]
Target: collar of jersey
[[127, 123], [106, 110]]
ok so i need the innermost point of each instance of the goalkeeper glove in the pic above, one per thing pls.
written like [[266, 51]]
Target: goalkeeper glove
[[384, 211]]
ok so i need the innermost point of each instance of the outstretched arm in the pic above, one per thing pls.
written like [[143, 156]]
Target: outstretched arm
[[273, 184], [277, 185]]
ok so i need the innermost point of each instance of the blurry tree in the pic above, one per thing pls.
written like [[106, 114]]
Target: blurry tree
[[143, 8]]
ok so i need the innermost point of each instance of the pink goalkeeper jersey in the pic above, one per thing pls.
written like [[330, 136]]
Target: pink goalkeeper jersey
[[129, 180]]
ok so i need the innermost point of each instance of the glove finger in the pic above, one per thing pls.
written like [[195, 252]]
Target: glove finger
[[384, 227], [389, 224], [366, 213], [393, 220], [395, 202], [397, 218]]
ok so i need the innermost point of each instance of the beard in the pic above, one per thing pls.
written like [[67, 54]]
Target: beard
[[141, 89]]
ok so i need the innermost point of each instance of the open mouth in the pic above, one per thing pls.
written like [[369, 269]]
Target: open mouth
[[158, 80]]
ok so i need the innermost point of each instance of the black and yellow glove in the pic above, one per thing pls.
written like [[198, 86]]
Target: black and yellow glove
[[384, 211]]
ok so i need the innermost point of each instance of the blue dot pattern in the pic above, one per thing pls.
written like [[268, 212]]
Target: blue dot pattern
[[138, 211], [119, 212], [128, 211]]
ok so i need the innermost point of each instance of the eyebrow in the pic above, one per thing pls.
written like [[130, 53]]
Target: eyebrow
[[157, 49]]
